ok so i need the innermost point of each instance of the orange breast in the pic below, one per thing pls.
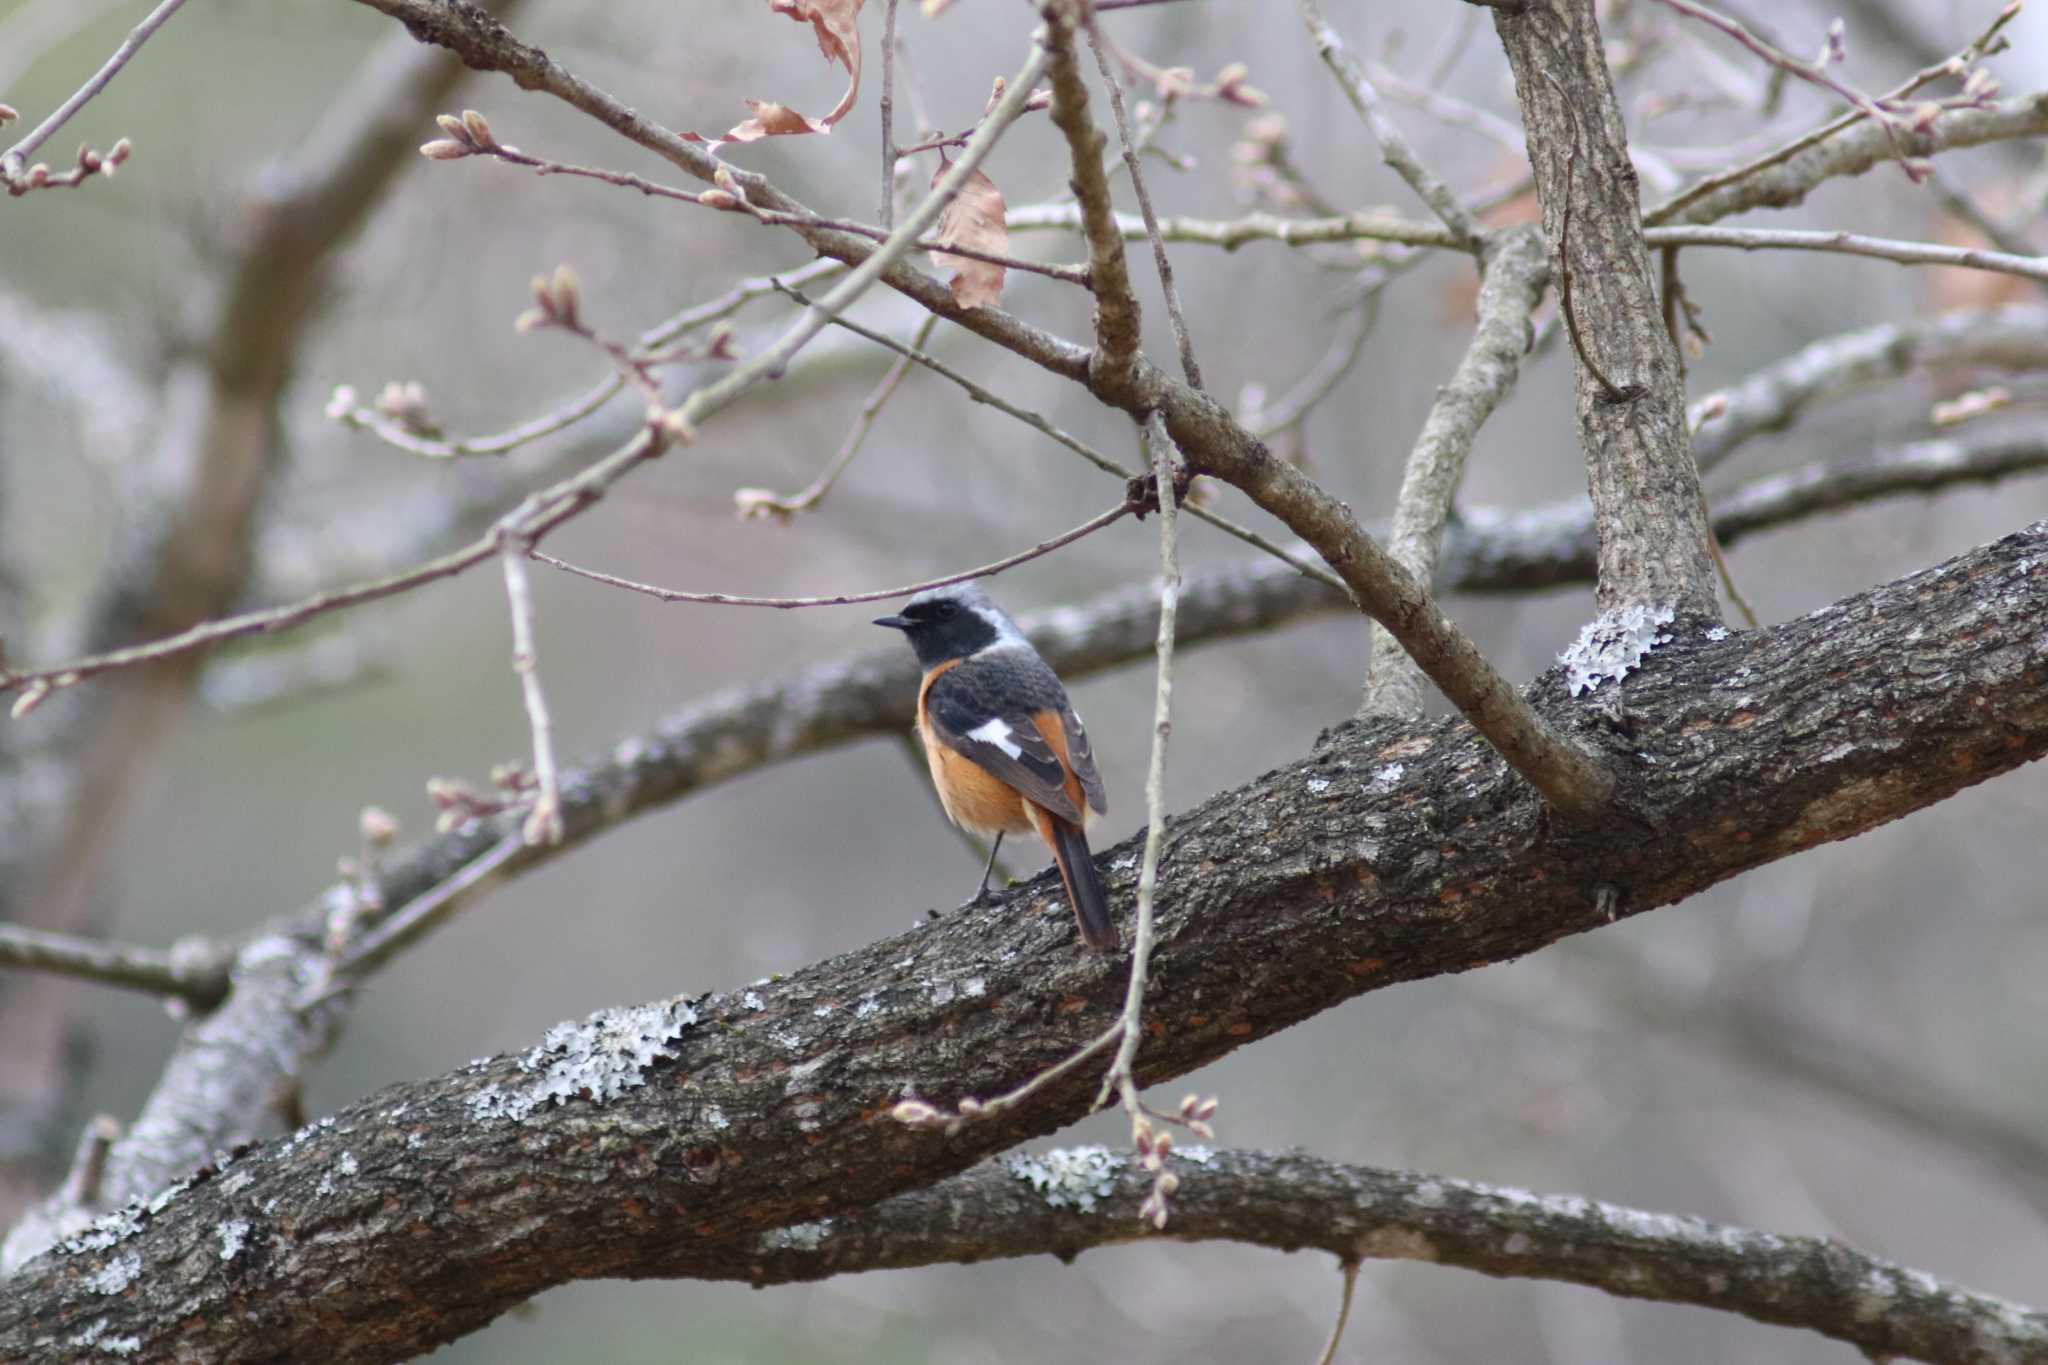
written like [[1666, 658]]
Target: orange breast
[[973, 797]]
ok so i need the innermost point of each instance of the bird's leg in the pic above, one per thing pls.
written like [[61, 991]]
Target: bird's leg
[[981, 895]]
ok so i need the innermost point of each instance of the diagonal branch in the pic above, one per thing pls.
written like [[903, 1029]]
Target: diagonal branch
[[1394, 148], [1516, 265], [1118, 321], [16, 157], [639, 1141]]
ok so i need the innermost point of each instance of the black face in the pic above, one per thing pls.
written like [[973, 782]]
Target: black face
[[941, 628]]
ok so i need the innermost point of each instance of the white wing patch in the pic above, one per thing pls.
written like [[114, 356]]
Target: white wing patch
[[997, 732]]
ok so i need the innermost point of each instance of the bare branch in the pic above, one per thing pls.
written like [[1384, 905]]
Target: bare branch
[[1394, 148], [1118, 322], [1347, 1267], [886, 213], [1367, 226], [1852, 244], [344, 409], [1121, 1078], [1087, 452], [16, 157], [1783, 178], [1182, 342], [699, 1076], [544, 822], [1772, 398], [195, 971], [759, 502], [1514, 268], [720, 599]]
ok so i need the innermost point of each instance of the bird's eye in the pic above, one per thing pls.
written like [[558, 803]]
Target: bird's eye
[[945, 611]]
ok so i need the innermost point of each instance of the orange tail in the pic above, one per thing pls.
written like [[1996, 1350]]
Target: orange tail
[[1084, 886]]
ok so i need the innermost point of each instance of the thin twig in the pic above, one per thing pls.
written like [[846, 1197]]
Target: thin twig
[[1166, 468], [720, 599], [1983, 44], [421, 913], [756, 502], [195, 972], [12, 161], [1349, 1269], [82, 1184], [544, 821], [343, 409], [887, 211], [1070, 274], [1852, 244], [549, 509], [1181, 340], [1394, 148], [1087, 452], [1813, 72]]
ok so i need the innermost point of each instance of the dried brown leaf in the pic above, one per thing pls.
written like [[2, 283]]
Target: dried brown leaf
[[835, 22], [976, 218]]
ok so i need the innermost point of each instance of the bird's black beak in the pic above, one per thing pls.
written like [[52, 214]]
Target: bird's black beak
[[893, 622]]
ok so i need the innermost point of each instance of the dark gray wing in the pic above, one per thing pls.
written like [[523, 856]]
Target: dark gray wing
[[1081, 755], [975, 710]]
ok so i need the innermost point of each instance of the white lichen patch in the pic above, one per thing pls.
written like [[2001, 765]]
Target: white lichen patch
[[1386, 778], [1611, 646], [161, 1200], [974, 987], [1318, 785], [116, 1275], [347, 1163], [94, 1338], [599, 1059], [1070, 1177], [822, 1012], [714, 1117], [752, 1000], [1196, 1153], [943, 993], [869, 1006], [105, 1231], [1717, 633], [797, 1236], [233, 1235]]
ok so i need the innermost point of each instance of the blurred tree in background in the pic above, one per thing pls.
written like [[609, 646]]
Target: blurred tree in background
[[284, 492]]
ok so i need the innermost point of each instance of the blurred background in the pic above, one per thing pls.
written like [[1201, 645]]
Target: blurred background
[[1846, 1043]]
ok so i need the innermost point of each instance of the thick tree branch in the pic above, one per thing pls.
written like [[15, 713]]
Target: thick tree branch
[[626, 1144], [210, 1082], [1515, 267], [1069, 1200], [1772, 398], [1631, 389]]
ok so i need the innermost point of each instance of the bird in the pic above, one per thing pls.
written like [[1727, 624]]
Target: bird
[[1006, 750]]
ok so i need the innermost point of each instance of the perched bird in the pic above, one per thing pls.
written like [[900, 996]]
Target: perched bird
[[1006, 750]]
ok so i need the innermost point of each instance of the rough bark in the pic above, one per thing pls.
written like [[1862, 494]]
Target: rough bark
[[1631, 387], [1065, 1201], [1401, 851]]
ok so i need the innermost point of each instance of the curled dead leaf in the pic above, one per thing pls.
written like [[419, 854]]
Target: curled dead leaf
[[976, 218], [836, 24]]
